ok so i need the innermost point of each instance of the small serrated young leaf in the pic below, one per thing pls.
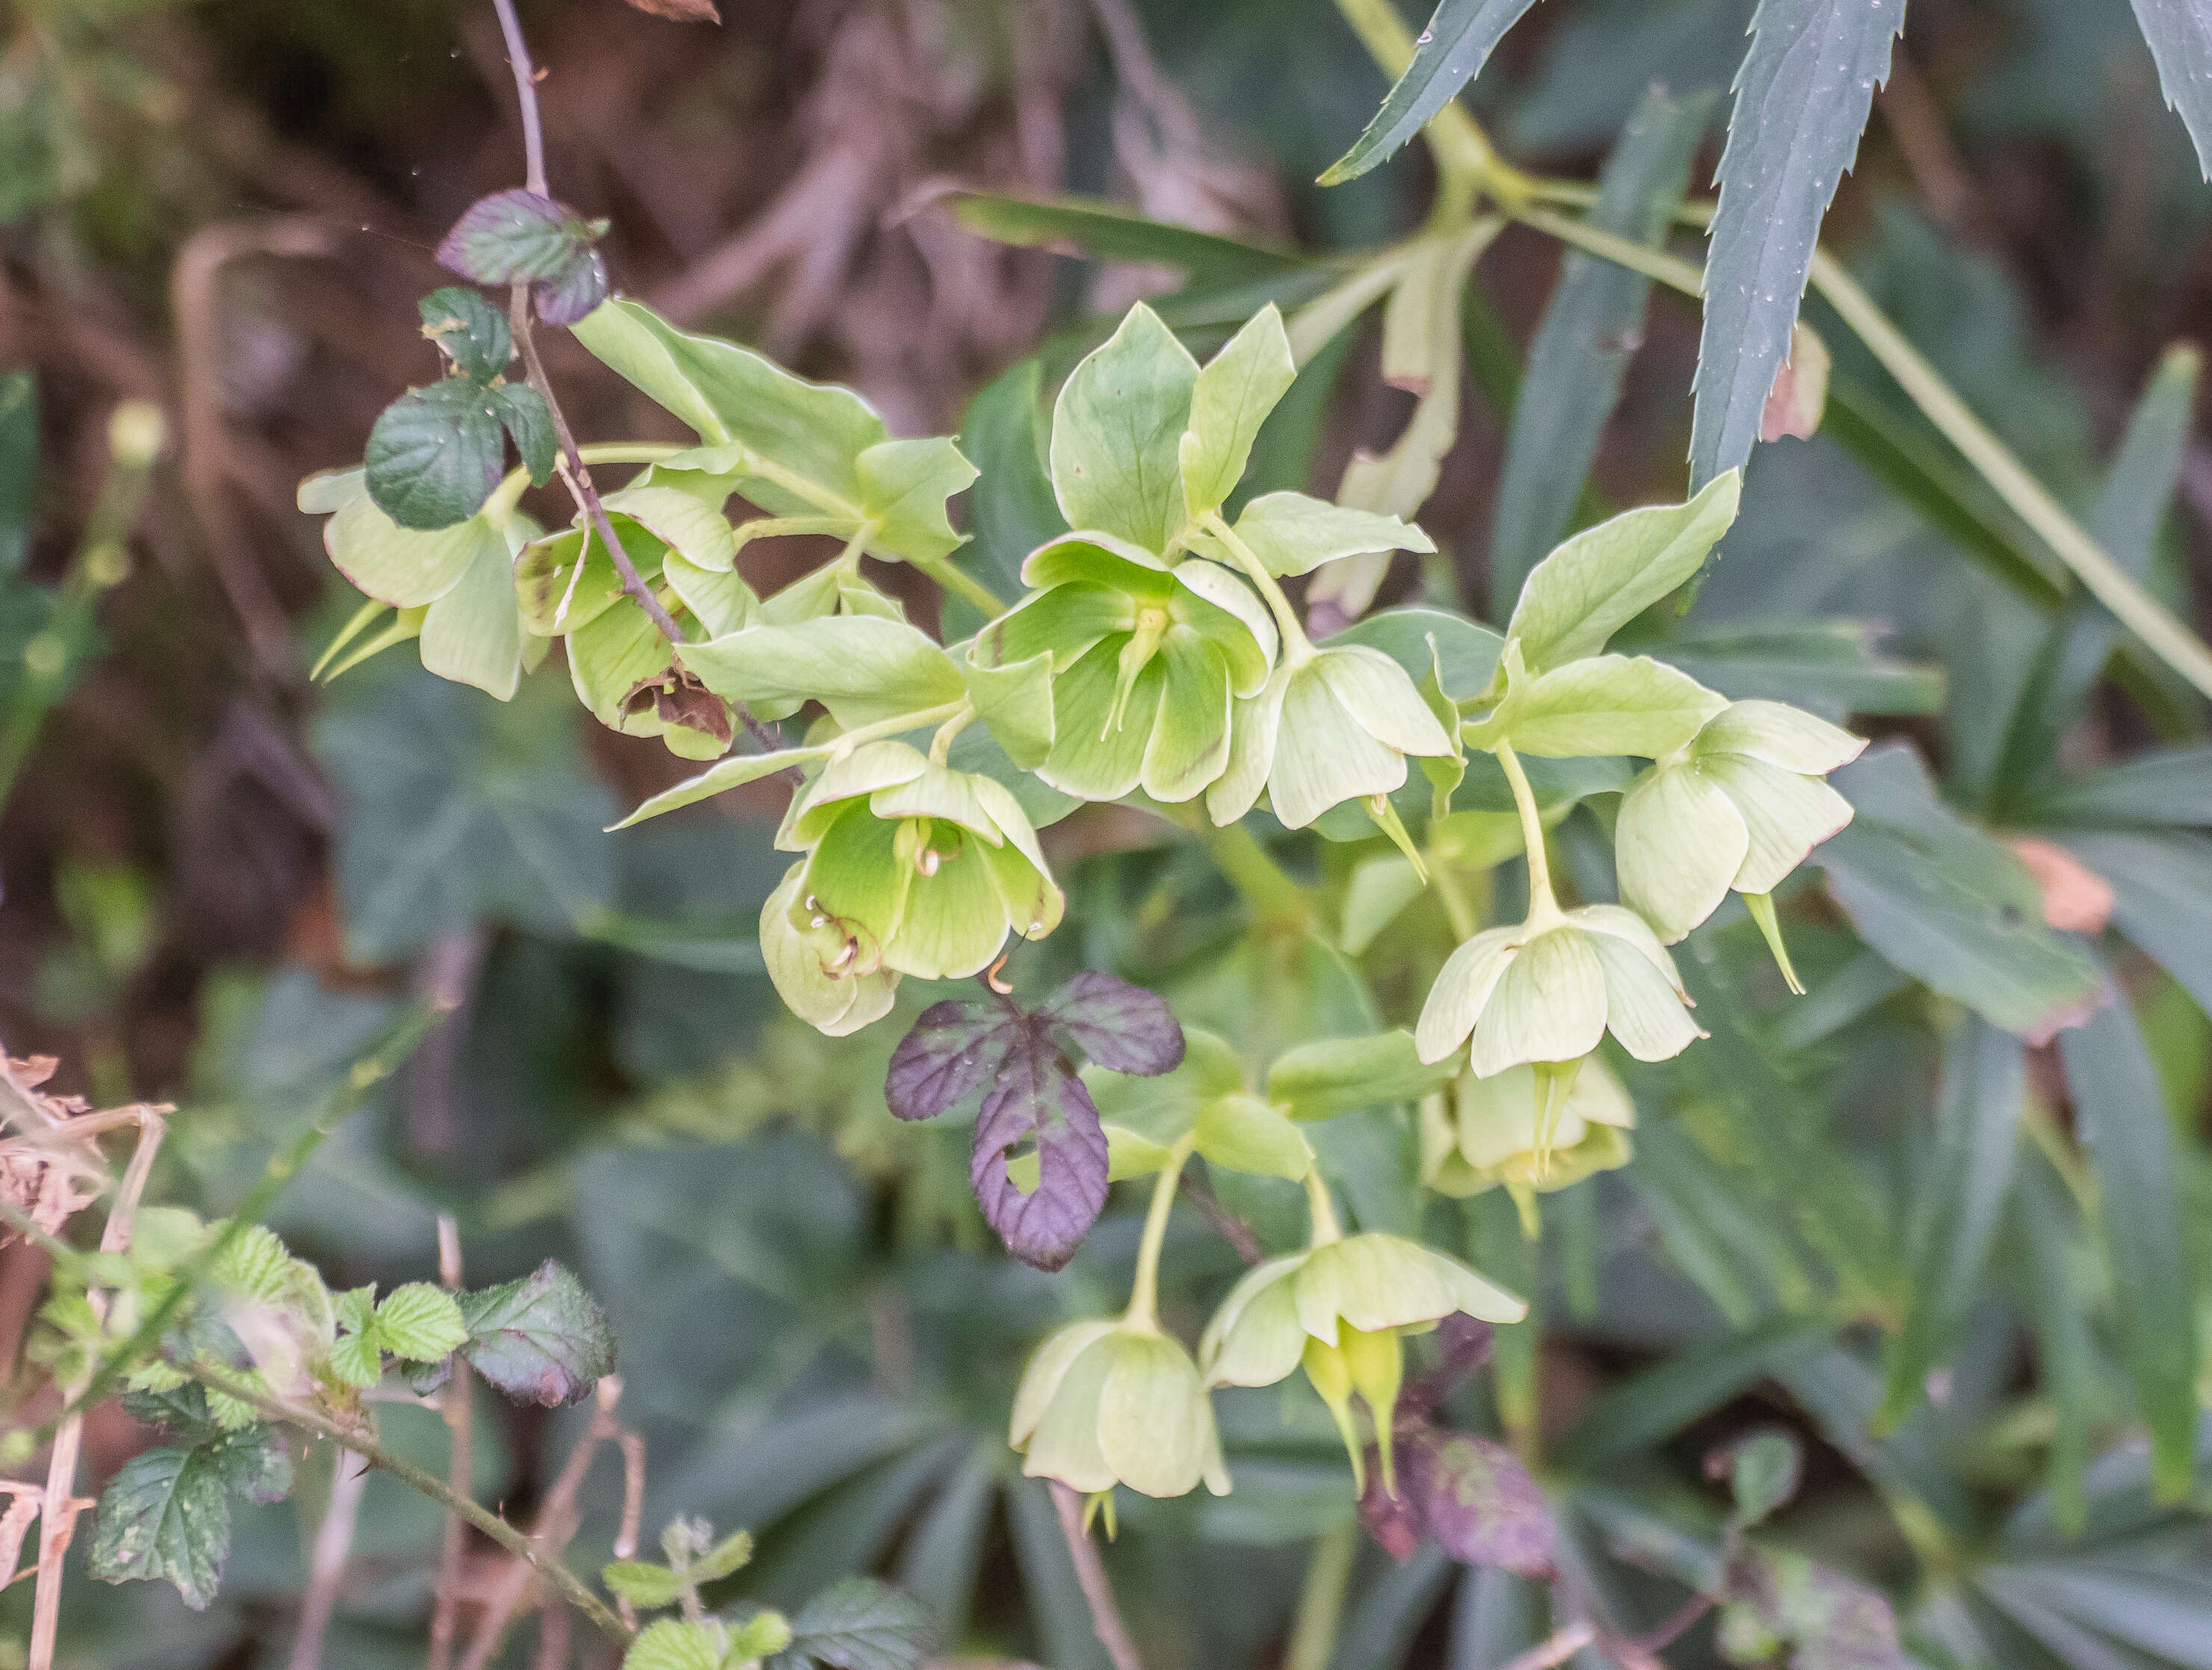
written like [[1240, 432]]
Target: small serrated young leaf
[[356, 1309], [858, 1623], [254, 1265], [435, 455], [759, 1638], [421, 1323], [1762, 1468], [469, 331], [673, 1645], [165, 1514], [180, 1411], [358, 1358], [522, 412], [514, 237], [951, 1048], [733, 1553], [541, 1338], [642, 1583], [1123, 1027], [1035, 1097]]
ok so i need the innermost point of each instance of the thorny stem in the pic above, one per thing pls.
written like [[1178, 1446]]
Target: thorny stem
[[1296, 646], [453, 1403], [429, 1483], [1541, 903], [1144, 1311], [1091, 1576]]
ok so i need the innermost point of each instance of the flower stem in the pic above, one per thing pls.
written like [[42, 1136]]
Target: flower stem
[[1541, 903], [941, 743], [951, 577], [898, 724], [1296, 646], [1321, 1602], [1322, 1209], [1144, 1310]]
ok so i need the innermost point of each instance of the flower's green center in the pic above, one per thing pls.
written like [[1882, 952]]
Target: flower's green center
[[1136, 655], [927, 843]]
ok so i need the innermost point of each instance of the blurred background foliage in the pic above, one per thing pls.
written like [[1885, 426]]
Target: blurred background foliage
[[220, 882]]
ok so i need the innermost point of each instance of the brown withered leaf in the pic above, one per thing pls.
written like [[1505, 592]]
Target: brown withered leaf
[[679, 698], [681, 11]]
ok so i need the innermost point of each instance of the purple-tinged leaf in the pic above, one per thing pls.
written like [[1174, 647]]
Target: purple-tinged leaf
[[1038, 1099], [951, 1049], [519, 237], [1830, 1623], [1462, 1346], [565, 299], [1472, 1495], [1123, 1027], [542, 1339]]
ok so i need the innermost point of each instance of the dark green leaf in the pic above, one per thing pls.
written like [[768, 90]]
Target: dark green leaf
[[1010, 509], [1381, 1624], [166, 1513], [2048, 1269], [1091, 226], [19, 466], [255, 1464], [541, 1339], [2131, 1150], [469, 331], [1450, 54], [2161, 786], [1801, 97], [522, 411], [1591, 329], [1963, 1183], [1827, 667], [181, 1413], [1661, 1401], [1467, 653], [2181, 36], [435, 454], [1947, 904], [858, 1623]]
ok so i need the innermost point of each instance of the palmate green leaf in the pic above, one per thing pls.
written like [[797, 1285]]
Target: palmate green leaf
[[435, 454], [1802, 98], [1604, 577], [1293, 534], [2180, 38], [1600, 706], [1117, 430], [541, 1338], [1947, 904], [1957, 1204], [1590, 331], [1235, 392], [860, 1624], [1450, 52], [419, 1323], [862, 667], [2131, 1150]]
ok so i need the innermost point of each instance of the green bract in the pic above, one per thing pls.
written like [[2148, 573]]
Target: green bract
[[1337, 1308], [1740, 806], [1109, 1402], [1493, 1133], [913, 868], [1547, 989], [1146, 661]]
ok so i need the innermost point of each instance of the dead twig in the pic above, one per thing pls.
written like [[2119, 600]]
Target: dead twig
[[333, 1544], [1091, 1576], [453, 1401]]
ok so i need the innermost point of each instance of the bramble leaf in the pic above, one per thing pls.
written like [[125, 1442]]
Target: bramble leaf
[[166, 1513], [469, 331], [674, 1644], [642, 1582], [858, 1623], [1123, 1027], [419, 1323], [519, 237], [522, 412], [541, 1339], [435, 454]]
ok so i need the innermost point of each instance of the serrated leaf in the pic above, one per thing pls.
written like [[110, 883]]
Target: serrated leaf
[[469, 331], [253, 1463], [1801, 99], [520, 237], [1036, 1099], [1592, 327], [1450, 53], [948, 1052], [904, 485], [1116, 433], [522, 412], [435, 454], [1121, 1027], [421, 1323], [1604, 577], [642, 1583], [166, 1513], [2179, 33], [672, 1644], [357, 1358], [541, 1339], [733, 1553], [2131, 1150], [858, 1623]]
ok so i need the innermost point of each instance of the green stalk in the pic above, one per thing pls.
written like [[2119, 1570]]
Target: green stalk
[[1238, 853], [1321, 1602], [1462, 150], [899, 724], [1541, 903], [1144, 1311], [951, 577], [504, 497], [1321, 1209], [1297, 647]]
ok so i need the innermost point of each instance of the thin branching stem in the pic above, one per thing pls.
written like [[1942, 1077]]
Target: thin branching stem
[[1090, 1578], [453, 1406]]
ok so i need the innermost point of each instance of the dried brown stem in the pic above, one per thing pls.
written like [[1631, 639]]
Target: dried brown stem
[[1090, 1574], [1557, 1648], [333, 1544], [453, 1403], [1223, 1222]]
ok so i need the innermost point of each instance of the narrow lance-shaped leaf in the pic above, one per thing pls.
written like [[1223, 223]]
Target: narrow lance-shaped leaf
[[2181, 36], [2131, 1150], [1802, 98], [1592, 327], [1960, 1202], [1450, 52]]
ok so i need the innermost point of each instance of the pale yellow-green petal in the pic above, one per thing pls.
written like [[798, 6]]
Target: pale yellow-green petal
[[1190, 739], [1456, 1001], [1096, 755], [955, 920], [1549, 1005], [1064, 1445], [1254, 725], [1779, 735], [1677, 846], [1154, 1421], [938, 791], [1047, 1368], [1324, 755], [1382, 699], [1788, 816], [1254, 1338], [1641, 1009]]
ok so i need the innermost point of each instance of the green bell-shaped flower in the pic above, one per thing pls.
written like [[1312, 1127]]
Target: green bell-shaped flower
[[1338, 1310], [1331, 725], [812, 970], [1543, 992], [1493, 1134], [1111, 1401], [912, 868], [1146, 659], [1740, 807]]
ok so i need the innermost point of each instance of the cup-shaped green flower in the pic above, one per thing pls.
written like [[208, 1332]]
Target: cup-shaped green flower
[[1331, 725], [1491, 1132], [1543, 992], [1338, 1309], [812, 968], [1112, 1401], [1740, 807], [912, 867], [1147, 660]]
